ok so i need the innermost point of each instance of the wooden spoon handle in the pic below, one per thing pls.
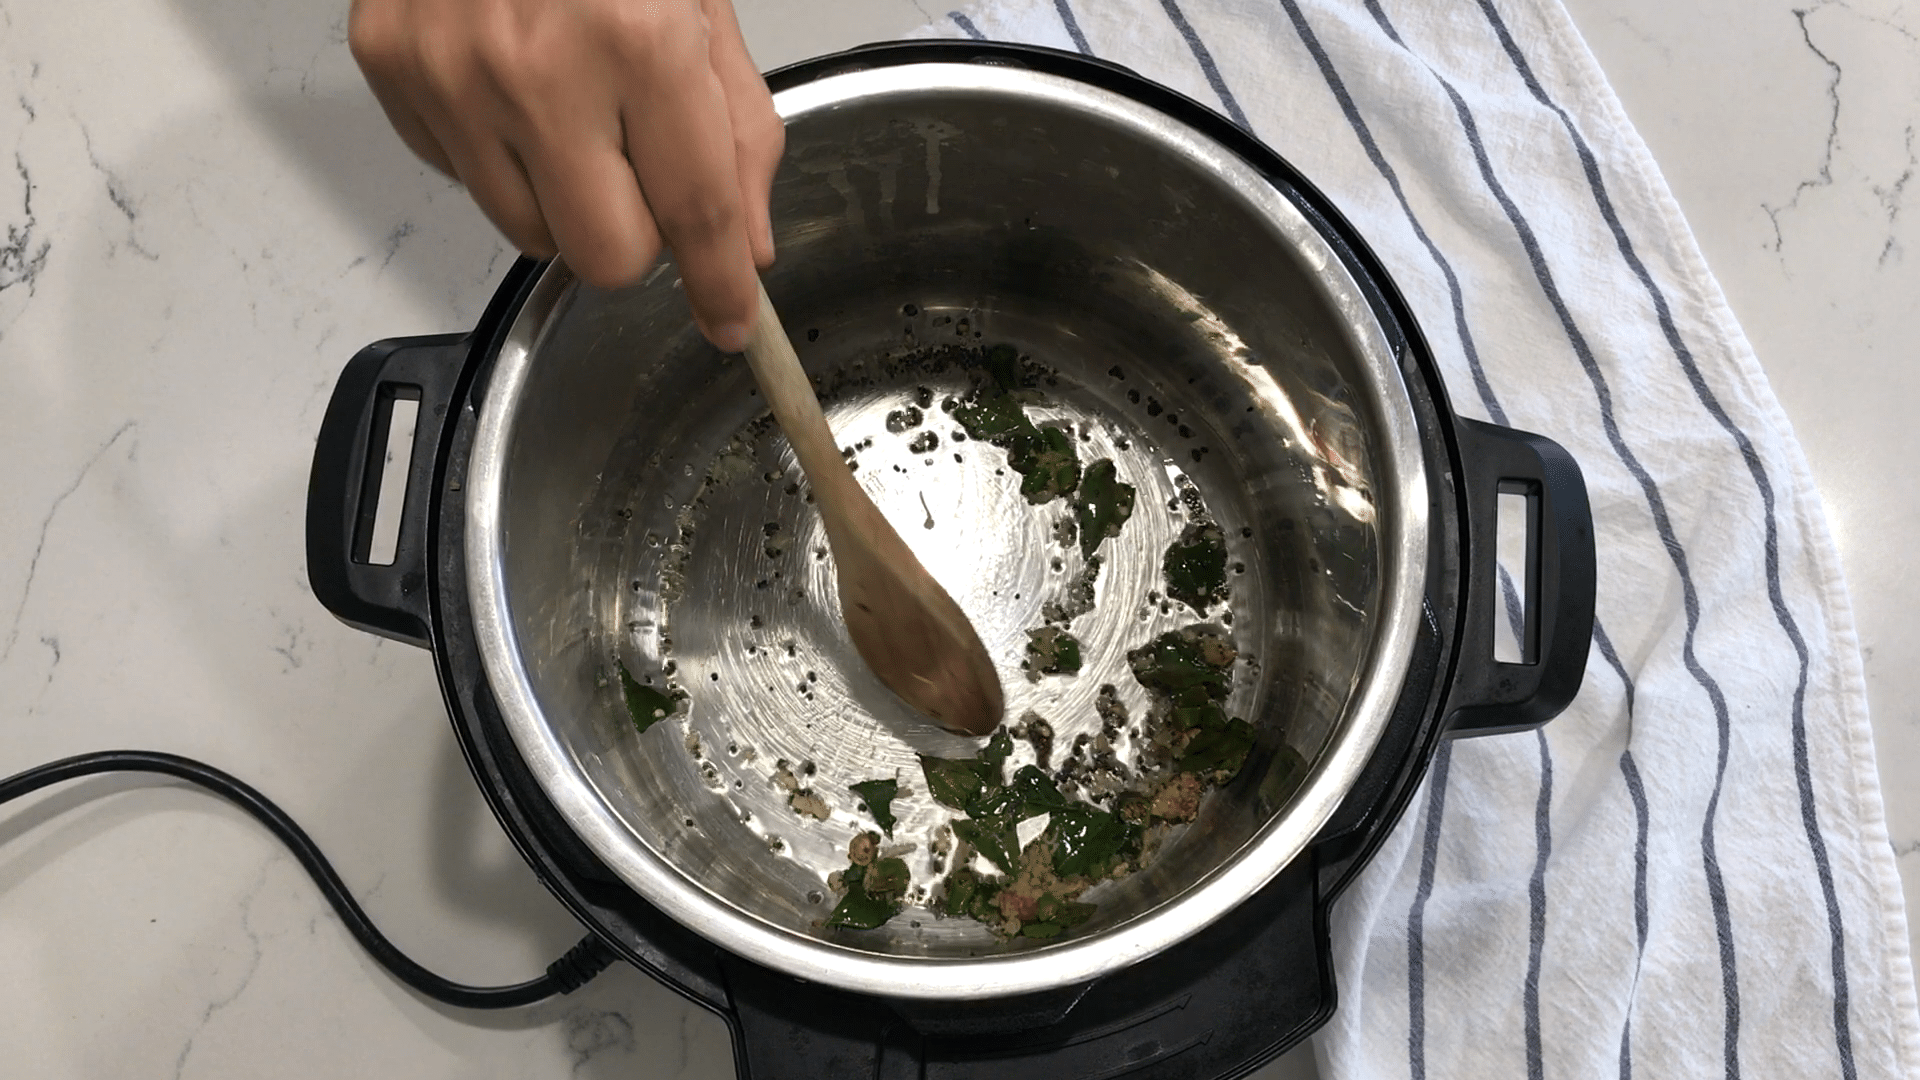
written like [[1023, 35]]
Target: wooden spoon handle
[[790, 396]]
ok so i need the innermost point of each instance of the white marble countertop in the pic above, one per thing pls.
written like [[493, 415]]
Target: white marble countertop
[[204, 215]]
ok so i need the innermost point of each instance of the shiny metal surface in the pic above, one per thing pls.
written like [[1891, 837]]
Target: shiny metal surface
[[627, 502]]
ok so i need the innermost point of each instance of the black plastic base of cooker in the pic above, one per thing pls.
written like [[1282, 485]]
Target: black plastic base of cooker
[[1218, 1005]]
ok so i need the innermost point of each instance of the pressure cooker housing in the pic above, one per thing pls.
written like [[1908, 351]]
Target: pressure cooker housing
[[1225, 995]]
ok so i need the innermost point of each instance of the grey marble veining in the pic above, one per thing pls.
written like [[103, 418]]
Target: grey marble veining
[[203, 214]]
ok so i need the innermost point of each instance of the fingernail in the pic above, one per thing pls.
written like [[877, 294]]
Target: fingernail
[[766, 237], [731, 339]]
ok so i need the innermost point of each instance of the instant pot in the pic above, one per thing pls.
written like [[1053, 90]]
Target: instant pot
[[594, 490]]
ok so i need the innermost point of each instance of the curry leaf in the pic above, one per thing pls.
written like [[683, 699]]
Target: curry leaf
[[1177, 664], [1030, 794], [1036, 792], [887, 878], [1053, 651], [998, 748], [952, 781], [879, 796], [1087, 842], [1053, 909], [1196, 567], [645, 705], [861, 910], [1223, 750], [997, 842], [1102, 507]]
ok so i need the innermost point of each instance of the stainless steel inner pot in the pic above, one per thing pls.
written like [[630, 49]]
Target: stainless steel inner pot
[[624, 504]]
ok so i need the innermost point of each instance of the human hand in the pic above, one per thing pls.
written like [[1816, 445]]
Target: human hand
[[593, 128]]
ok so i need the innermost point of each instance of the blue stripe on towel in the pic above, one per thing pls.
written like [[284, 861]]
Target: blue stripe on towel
[[1537, 908], [1656, 504], [1715, 885], [1630, 772], [1417, 914], [1073, 27], [1640, 819], [1204, 57], [1843, 1037]]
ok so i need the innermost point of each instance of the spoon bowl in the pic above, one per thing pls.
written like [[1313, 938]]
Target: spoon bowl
[[905, 626]]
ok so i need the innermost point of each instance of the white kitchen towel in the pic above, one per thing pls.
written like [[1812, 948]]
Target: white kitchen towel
[[1687, 874]]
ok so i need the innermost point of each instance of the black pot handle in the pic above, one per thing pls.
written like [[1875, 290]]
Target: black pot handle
[[344, 489], [1489, 696]]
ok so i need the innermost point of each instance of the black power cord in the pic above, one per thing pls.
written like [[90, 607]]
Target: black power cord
[[565, 975]]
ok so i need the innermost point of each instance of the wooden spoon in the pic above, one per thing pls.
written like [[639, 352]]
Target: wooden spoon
[[908, 630]]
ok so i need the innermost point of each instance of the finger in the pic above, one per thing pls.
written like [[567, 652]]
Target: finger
[[494, 177], [413, 131], [759, 135], [378, 46], [680, 140], [593, 205], [694, 191]]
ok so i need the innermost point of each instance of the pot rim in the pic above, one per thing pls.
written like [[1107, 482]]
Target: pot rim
[[1400, 499]]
